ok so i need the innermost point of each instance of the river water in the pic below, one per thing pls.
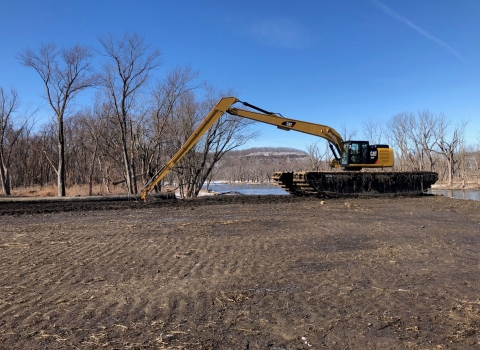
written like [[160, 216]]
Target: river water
[[257, 189], [265, 189], [460, 194]]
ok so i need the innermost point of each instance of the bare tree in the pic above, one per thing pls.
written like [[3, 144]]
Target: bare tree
[[422, 132], [153, 141], [9, 134], [346, 133], [91, 125], [129, 66], [399, 127], [317, 157], [373, 131], [467, 164], [65, 73], [449, 143]]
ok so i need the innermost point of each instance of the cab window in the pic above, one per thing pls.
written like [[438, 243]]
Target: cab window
[[344, 160], [355, 155]]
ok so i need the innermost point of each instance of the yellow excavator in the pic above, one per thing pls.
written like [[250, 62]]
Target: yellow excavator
[[350, 156]]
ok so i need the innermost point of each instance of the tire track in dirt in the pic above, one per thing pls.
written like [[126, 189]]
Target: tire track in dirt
[[262, 289], [233, 275], [82, 256]]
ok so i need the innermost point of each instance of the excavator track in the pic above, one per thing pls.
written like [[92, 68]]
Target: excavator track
[[355, 183]]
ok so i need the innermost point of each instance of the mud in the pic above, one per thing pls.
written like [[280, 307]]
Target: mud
[[241, 272]]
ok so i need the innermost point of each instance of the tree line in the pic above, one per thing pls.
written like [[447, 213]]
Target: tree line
[[422, 141], [132, 127], [135, 124]]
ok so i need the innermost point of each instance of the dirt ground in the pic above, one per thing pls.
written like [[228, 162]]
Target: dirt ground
[[241, 272]]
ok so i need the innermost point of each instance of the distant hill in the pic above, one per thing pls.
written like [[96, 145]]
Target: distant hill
[[259, 163], [266, 152]]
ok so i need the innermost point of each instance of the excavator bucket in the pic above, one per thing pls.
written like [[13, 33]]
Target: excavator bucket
[[355, 183]]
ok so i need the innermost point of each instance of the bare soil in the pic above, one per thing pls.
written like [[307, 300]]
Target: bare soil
[[241, 272]]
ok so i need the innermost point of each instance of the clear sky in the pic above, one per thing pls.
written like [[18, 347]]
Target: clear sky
[[333, 62]]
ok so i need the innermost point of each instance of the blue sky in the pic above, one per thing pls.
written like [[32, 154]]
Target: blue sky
[[333, 62]]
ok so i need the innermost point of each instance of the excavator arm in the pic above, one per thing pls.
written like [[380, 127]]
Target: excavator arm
[[326, 132], [224, 106]]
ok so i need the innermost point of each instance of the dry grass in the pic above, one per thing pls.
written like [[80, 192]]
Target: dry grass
[[35, 191], [73, 191]]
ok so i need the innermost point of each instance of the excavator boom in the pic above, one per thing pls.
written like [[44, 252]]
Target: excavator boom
[[323, 131]]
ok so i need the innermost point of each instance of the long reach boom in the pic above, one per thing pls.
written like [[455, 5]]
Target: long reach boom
[[351, 155]]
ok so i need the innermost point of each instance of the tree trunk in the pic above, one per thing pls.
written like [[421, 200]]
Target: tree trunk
[[92, 168], [128, 170], [61, 160], [5, 178], [450, 170], [132, 160], [126, 155]]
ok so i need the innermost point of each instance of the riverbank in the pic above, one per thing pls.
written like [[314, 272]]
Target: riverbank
[[235, 272]]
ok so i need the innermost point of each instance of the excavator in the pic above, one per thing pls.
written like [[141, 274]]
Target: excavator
[[349, 156]]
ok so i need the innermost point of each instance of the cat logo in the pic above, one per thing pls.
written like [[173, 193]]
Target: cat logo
[[289, 124]]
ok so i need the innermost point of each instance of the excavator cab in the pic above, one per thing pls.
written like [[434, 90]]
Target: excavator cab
[[354, 154], [360, 154]]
